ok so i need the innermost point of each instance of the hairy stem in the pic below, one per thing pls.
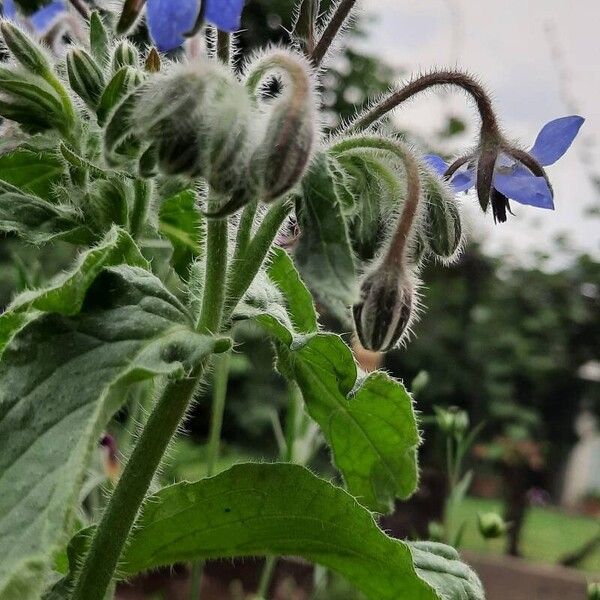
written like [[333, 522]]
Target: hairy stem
[[121, 512], [224, 47], [214, 282], [141, 203], [489, 125], [335, 24], [219, 394], [247, 266]]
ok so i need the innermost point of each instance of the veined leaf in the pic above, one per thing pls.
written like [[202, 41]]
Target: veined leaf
[[324, 255], [36, 220], [66, 294], [368, 422], [283, 509], [181, 222], [61, 379], [33, 172]]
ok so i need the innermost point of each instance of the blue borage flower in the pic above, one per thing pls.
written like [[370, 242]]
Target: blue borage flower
[[169, 20], [515, 175], [41, 20]]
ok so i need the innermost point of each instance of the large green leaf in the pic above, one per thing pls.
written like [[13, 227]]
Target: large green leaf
[[65, 295], [324, 255], [61, 379], [31, 171], [283, 509], [36, 220], [368, 422], [181, 222]]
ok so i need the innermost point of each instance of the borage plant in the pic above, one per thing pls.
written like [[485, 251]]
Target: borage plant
[[117, 149]]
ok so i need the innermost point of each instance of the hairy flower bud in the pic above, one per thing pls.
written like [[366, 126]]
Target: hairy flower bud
[[491, 525], [85, 77], [287, 145], [452, 421], [124, 81], [385, 308], [125, 54], [443, 223], [25, 50], [198, 119]]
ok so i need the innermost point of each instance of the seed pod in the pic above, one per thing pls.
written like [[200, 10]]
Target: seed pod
[[443, 222], [286, 148], [85, 77], [25, 50], [125, 54], [123, 82], [384, 311]]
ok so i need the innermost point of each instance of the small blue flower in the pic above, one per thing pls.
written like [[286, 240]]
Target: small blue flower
[[517, 175], [170, 20], [41, 20]]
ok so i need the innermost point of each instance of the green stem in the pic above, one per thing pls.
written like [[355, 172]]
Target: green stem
[[219, 394], [244, 232], [214, 282], [266, 576], [123, 507], [141, 202], [244, 270]]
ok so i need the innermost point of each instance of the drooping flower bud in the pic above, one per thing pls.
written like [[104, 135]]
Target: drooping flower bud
[[442, 219], [125, 54], [452, 421], [25, 50], [287, 145], [384, 311], [491, 525], [198, 119], [85, 77]]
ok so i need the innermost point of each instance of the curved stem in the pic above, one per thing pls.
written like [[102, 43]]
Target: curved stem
[[489, 125], [122, 509], [335, 24], [398, 244]]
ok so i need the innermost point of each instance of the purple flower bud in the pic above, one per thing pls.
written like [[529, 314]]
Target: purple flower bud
[[385, 308]]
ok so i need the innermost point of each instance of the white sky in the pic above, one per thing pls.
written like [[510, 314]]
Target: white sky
[[512, 45]]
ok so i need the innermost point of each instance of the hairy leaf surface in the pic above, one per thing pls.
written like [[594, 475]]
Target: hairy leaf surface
[[61, 379], [32, 171], [283, 509]]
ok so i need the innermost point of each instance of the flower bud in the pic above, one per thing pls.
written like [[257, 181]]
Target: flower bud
[[491, 525], [85, 77], [593, 591], [125, 54], [25, 50], [123, 82], [286, 148], [198, 118], [443, 223], [452, 421], [384, 311]]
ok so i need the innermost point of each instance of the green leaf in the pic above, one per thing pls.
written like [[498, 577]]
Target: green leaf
[[368, 422], [33, 172], [36, 220], [283, 274], [61, 380], [180, 220], [283, 509], [324, 255]]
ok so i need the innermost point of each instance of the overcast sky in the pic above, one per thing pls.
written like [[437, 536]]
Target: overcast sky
[[541, 60]]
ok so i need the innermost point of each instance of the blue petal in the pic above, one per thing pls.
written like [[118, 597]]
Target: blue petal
[[437, 163], [463, 181], [525, 189], [42, 19], [555, 138], [9, 10], [224, 14], [170, 20]]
